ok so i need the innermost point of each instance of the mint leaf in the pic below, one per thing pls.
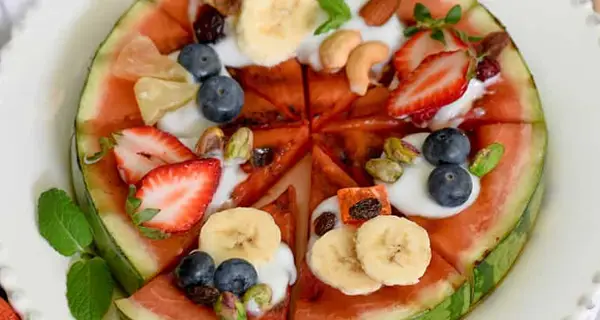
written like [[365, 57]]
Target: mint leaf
[[89, 289], [144, 215], [438, 34], [474, 38], [153, 234], [132, 203], [421, 13], [106, 145], [454, 15], [62, 223], [338, 12], [411, 31]]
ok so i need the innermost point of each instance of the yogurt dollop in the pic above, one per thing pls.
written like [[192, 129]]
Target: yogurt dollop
[[410, 195]]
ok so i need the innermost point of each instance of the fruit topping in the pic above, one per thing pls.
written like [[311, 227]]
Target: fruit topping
[[201, 60], [141, 149], [220, 99], [195, 270], [235, 276], [487, 159], [360, 62], [336, 48], [446, 146], [487, 68], [338, 13], [141, 58], [385, 170], [333, 260], [492, 45], [229, 307], [393, 250], [106, 145], [378, 12], [400, 151], [211, 143], [203, 295], [450, 185], [226, 7], [209, 25], [360, 204], [245, 233], [439, 80], [181, 192], [257, 299], [155, 97], [239, 146], [262, 157], [324, 223]]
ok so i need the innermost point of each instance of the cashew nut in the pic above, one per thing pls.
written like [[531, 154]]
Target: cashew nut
[[360, 62], [335, 49]]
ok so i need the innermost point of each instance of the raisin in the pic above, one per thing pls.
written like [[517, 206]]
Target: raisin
[[365, 209], [262, 157], [203, 295], [487, 68], [209, 24], [325, 222]]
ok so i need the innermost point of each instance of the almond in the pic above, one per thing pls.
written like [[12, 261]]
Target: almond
[[378, 12]]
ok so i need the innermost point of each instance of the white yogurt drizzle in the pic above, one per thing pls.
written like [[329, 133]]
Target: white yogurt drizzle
[[231, 175], [410, 195]]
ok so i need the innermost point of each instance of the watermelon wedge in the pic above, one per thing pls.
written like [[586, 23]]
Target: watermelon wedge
[[438, 8]]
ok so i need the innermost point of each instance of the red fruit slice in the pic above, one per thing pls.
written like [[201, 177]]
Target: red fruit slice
[[439, 80], [259, 112], [419, 47], [348, 197], [6, 312], [141, 149], [438, 8], [181, 192], [371, 104], [328, 96]]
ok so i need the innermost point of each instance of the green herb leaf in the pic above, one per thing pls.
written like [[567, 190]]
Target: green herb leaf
[[474, 38], [438, 34], [62, 223], [105, 145], [89, 289], [454, 15], [411, 31], [338, 12], [487, 159], [144, 215], [132, 203], [153, 234], [421, 13]]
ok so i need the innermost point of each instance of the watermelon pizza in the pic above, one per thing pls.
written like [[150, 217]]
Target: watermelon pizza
[[357, 159]]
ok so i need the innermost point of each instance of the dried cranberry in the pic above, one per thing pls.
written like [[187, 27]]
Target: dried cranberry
[[324, 223], [262, 157], [209, 24], [487, 68], [366, 209], [203, 295]]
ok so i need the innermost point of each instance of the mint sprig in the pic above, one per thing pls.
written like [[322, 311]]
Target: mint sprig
[[338, 12], [89, 282], [132, 204]]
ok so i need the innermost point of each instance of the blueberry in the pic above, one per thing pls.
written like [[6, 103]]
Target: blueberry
[[235, 275], [450, 185], [448, 145], [200, 60], [196, 269], [220, 99]]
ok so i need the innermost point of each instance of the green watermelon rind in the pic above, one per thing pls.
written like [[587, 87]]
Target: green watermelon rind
[[452, 307]]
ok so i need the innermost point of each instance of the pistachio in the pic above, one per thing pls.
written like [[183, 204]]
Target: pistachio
[[487, 159], [229, 307], [240, 145], [211, 142], [399, 150], [385, 170], [258, 299]]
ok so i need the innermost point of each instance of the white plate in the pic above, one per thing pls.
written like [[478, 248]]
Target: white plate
[[43, 70]]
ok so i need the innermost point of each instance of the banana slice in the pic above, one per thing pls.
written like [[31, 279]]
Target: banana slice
[[393, 250], [333, 260], [245, 233], [270, 31]]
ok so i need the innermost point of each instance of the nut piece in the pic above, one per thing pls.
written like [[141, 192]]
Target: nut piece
[[229, 307], [203, 295], [239, 146], [400, 151], [360, 62], [378, 12], [493, 44], [365, 209], [385, 170], [324, 223], [334, 50], [257, 299], [211, 142]]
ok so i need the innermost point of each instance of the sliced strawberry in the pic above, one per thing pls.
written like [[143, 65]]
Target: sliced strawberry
[[438, 81], [419, 47], [180, 191], [141, 149]]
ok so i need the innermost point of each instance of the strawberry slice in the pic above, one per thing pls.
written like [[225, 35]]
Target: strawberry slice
[[141, 149], [419, 47], [180, 191], [438, 81]]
